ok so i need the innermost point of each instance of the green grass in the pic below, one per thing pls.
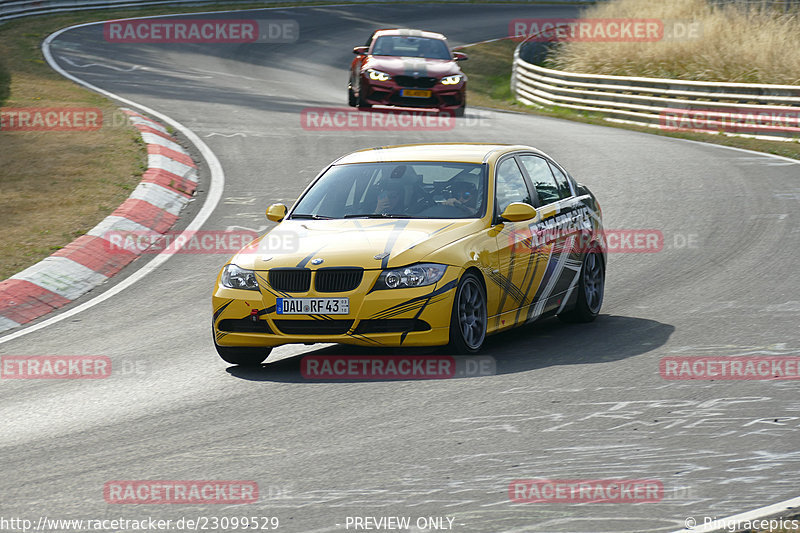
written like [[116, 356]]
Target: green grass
[[5, 83]]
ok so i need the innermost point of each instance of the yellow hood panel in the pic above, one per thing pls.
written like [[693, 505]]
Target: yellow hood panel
[[368, 243]]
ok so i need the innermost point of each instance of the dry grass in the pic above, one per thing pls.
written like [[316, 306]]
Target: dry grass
[[756, 44], [55, 186], [491, 90]]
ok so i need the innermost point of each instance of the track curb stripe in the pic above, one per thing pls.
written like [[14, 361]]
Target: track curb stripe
[[169, 180], [88, 261]]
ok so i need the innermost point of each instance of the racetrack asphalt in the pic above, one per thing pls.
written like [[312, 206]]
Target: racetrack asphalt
[[568, 401]]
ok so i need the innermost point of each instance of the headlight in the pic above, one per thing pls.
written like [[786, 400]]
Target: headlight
[[411, 276], [377, 75], [234, 277], [451, 80]]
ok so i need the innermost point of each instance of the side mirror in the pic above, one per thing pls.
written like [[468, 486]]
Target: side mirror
[[276, 212], [360, 50], [460, 56], [518, 212]]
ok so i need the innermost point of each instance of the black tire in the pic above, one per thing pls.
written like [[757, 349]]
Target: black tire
[[362, 102], [459, 111], [590, 289], [351, 97], [242, 356], [469, 317]]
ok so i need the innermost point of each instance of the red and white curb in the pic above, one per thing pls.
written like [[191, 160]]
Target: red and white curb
[[166, 187]]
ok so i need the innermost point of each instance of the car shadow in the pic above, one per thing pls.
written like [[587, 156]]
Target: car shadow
[[539, 345]]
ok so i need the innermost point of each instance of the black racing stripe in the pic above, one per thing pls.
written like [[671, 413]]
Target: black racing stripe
[[363, 337], [530, 283], [430, 235], [406, 308], [307, 258], [443, 289], [221, 309], [264, 284], [267, 310], [421, 309], [398, 311], [399, 226], [507, 287]]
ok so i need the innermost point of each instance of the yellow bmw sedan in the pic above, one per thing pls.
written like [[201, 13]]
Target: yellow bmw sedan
[[416, 245]]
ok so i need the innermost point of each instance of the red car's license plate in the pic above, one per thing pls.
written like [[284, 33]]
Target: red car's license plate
[[415, 93]]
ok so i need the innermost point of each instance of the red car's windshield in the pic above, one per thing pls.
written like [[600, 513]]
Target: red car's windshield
[[407, 46]]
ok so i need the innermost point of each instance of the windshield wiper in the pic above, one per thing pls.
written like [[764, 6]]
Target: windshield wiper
[[312, 217], [377, 215]]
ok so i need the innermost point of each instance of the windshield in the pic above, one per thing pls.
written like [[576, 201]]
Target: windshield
[[396, 190], [401, 45]]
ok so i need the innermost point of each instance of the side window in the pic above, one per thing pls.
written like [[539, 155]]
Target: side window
[[563, 182], [543, 180], [510, 185]]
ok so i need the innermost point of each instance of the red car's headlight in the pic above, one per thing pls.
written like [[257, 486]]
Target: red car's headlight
[[377, 75]]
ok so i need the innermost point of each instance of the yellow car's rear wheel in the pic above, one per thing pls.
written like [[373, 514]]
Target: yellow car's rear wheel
[[590, 289]]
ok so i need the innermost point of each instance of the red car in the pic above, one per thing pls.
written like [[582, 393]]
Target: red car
[[410, 68]]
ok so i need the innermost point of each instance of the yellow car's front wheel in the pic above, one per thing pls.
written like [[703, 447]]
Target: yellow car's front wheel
[[469, 317]]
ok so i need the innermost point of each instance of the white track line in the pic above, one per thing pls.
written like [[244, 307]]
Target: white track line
[[213, 198]]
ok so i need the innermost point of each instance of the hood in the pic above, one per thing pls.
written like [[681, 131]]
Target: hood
[[352, 242], [413, 66]]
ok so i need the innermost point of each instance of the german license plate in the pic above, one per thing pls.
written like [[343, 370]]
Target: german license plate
[[414, 93], [312, 306]]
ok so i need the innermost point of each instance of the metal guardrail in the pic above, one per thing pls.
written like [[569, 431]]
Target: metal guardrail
[[764, 111]]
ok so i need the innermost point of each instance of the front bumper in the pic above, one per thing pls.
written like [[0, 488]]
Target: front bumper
[[391, 93], [395, 317]]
